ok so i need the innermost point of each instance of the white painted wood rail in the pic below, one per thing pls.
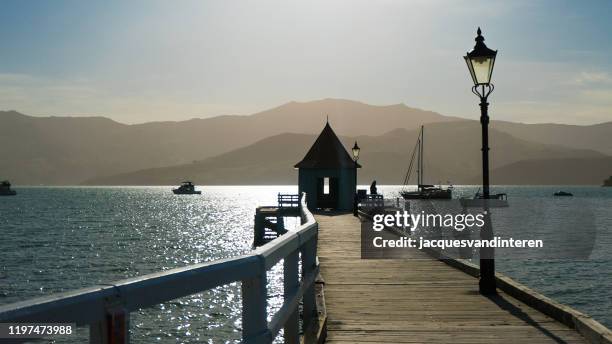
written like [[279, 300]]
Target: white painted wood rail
[[106, 308]]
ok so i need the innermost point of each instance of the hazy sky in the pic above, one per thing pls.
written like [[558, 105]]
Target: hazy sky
[[137, 61]]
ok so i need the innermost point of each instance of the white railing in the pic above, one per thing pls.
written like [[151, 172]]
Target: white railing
[[288, 200], [106, 308]]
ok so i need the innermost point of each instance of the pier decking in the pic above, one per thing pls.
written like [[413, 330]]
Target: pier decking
[[416, 300]]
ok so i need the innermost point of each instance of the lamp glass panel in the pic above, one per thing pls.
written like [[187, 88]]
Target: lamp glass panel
[[482, 69], [469, 64]]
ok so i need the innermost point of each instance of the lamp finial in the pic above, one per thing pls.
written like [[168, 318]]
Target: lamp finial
[[479, 37]]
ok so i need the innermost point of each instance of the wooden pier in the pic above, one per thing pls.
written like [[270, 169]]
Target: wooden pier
[[419, 300], [269, 221]]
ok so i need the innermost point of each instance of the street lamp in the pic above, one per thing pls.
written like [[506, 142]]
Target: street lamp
[[356, 151], [480, 62]]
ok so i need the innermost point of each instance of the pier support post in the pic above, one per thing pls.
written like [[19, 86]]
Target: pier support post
[[280, 224], [259, 229]]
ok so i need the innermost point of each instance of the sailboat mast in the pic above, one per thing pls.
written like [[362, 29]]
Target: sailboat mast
[[422, 174], [418, 151]]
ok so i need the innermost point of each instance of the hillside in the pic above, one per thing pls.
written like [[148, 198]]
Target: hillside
[[452, 154], [596, 137], [70, 150]]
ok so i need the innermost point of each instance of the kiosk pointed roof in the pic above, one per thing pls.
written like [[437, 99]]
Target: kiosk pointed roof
[[327, 152]]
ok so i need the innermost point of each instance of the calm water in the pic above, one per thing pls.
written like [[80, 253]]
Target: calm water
[[58, 239]]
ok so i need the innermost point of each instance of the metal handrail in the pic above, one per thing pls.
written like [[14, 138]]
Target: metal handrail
[[106, 308]]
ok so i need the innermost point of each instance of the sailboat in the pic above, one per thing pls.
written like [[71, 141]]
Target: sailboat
[[424, 191]]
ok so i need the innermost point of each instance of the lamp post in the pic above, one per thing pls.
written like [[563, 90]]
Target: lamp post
[[480, 62], [356, 151]]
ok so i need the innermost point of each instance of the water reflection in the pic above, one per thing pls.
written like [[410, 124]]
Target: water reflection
[[68, 238]]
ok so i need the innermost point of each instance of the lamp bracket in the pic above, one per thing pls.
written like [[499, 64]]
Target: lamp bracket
[[483, 91]]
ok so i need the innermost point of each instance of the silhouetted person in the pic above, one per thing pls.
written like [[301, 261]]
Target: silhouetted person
[[373, 190]]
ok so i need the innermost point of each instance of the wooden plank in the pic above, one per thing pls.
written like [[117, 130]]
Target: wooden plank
[[416, 299]]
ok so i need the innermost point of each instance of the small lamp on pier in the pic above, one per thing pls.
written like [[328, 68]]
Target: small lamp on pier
[[356, 151], [480, 62]]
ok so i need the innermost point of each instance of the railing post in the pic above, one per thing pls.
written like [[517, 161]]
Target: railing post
[[309, 261], [291, 284], [114, 329], [254, 312]]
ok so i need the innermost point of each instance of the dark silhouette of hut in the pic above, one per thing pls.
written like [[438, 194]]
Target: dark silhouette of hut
[[328, 174]]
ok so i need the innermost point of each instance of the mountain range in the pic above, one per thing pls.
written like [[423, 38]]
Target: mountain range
[[452, 154], [262, 148]]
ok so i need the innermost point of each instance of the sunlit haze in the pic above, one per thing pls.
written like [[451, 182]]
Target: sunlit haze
[[142, 61]]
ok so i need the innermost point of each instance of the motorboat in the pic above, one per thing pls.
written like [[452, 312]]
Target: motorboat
[[498, 196], [186, 188], [563, 194], [5, 189], [428, 192], [498, 200]]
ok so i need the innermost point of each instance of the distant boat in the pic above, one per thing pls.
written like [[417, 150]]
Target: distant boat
[[427, 191], [498, 196], [608, 182], [498, 200], [563, 193], [5, 189], [424, 191], [186, 188]]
